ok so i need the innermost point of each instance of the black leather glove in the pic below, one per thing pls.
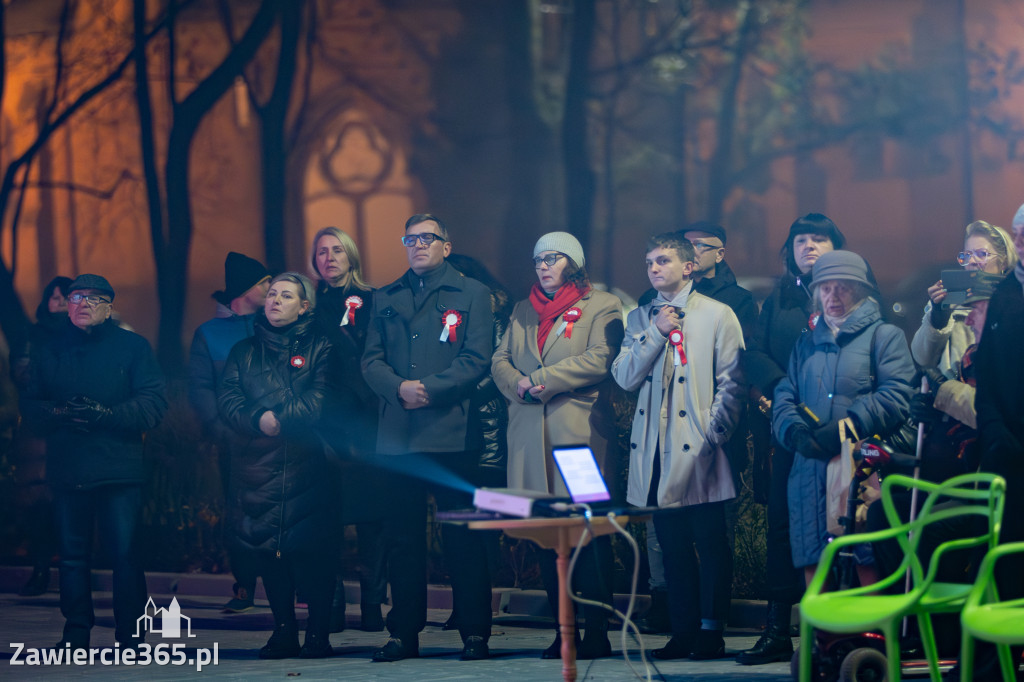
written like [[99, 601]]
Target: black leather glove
[[827, 439], [85, 410], [935, 378], [802, 439], [60, 413], [940, 316], [922, 408]]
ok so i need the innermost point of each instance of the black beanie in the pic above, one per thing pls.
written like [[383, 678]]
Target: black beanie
[[241, 273]]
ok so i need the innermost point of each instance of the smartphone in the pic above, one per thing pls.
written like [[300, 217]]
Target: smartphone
[[957, 282]]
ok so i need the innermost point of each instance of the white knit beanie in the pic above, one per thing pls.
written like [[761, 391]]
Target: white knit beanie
[[563, 242]]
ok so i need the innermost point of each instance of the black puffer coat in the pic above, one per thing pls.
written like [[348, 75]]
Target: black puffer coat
[[281, 500]]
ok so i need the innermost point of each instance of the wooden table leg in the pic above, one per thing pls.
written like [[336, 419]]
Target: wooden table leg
[[566, 614]]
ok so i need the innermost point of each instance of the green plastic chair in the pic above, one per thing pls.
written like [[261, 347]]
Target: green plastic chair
[[987, 618], [863, 609], [982, 495]]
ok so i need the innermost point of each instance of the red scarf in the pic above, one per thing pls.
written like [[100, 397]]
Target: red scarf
[[550, 310]]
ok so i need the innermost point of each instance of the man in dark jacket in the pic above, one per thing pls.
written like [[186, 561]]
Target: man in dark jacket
[[245, 288], [94, 390], [429, 343]]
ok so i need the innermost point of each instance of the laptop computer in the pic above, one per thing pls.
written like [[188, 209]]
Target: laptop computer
[[586, 485]]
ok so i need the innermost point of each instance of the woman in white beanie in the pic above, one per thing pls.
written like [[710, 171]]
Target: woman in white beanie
[[553, 366]]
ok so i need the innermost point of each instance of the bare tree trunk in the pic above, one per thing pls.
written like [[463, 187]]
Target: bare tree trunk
[[720, 167], [172, 267], [147, 141], [272, 138], [579, 176]]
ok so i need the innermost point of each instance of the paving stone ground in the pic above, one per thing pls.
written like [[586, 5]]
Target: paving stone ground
[[516, 642]]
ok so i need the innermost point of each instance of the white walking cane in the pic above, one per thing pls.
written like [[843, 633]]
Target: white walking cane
[[913, 491]]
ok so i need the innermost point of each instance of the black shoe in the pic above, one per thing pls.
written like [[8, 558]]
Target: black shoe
[[770, 648], [677, 647], [37, 583], [555, 650], [241, 602], [284, 643], [316, 646], [396, 649], [593, 646], [370, 619], [708, 645], [475, 649]]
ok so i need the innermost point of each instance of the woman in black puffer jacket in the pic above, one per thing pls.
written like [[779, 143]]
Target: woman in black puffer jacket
[[272, 393]]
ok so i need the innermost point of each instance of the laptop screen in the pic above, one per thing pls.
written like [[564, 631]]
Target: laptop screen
[[582, 477]]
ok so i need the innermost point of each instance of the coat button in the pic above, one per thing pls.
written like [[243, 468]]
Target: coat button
[[412, 365], [682, 413], [682, 379], [686, 447], [641, 410], [416, 336], [633, 445]]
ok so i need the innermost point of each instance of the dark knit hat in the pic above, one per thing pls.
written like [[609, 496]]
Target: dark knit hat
[[845, 265], [715, 230], [982, 287], [241, 273], [92, 282], [812, 223]]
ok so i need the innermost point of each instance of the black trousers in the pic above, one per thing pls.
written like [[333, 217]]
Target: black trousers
[[591, 579], [406, 545], [312, 574], [783, 582], [698, 565]]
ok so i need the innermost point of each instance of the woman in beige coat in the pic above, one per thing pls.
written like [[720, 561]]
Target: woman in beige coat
[[553, 367]]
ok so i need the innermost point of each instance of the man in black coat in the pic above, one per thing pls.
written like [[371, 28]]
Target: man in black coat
[[429, 343], [94, 390]]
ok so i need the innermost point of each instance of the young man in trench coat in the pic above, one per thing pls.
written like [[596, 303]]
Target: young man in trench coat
[[682, 351]]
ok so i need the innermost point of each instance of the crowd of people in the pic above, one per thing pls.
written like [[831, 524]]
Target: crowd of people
[[330, 402]]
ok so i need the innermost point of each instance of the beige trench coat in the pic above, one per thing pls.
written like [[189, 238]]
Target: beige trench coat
[[576, 404]]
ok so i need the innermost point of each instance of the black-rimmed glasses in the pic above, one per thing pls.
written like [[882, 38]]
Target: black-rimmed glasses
[[425, 238], [91, 299], [548, 260]]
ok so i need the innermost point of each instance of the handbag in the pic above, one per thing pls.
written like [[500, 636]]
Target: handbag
[[839, 475]]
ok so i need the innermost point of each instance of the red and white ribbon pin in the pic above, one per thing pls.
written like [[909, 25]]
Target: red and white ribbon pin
[[675, 337], [352, 304], [298, 361], [570, 316], [451, 320]]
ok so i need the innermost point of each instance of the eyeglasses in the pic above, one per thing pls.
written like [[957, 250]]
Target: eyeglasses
[[425, 238], [701, 247], [964, 257], [91, 299], [547, 260]]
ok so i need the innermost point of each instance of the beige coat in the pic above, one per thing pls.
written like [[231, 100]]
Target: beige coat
[[575, 405], [686, 412]]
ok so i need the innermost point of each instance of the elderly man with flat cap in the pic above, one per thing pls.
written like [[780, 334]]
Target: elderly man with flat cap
[[94, 389], [245, 288]]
